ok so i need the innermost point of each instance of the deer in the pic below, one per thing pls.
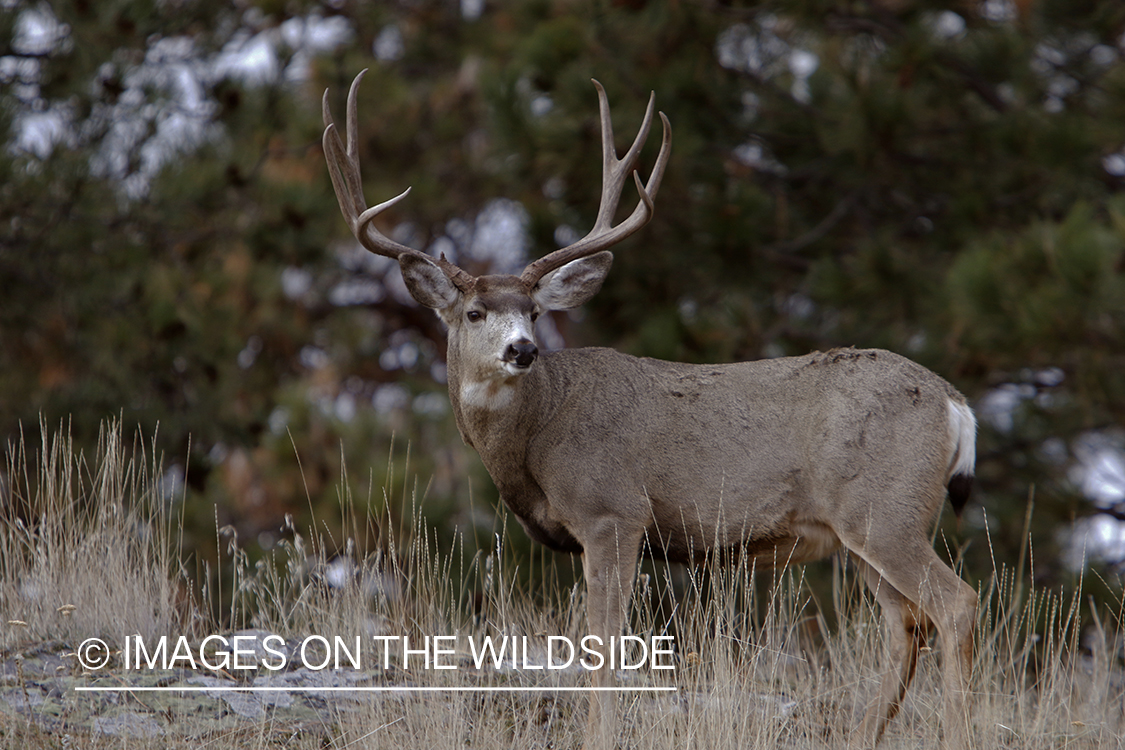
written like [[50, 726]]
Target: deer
[[602, 454]]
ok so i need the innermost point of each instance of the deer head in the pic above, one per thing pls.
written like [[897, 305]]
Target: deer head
[[492, 318]]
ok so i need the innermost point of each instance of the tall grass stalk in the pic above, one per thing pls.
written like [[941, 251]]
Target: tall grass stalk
[[757, 664], [89, 546]]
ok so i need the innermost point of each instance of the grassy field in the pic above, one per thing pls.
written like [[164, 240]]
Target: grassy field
[[89, 547]]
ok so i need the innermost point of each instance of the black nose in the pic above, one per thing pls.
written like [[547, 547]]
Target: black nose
[[522, 353]]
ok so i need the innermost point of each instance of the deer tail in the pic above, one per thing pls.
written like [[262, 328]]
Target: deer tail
[[963, 453]]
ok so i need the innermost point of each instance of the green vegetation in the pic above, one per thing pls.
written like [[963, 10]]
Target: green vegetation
[[944, 184], [889, 174]]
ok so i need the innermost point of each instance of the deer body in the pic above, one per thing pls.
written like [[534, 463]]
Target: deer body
[[605, 454], [769, 457]]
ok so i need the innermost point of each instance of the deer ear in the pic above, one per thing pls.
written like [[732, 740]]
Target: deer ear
[[574, 283], [427, 282]]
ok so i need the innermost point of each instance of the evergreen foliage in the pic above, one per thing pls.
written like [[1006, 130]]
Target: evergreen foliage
[[943, 181]]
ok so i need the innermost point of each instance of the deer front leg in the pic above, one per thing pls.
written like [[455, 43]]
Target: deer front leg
[[609, 562]]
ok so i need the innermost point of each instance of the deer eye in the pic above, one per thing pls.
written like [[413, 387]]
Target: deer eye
[[534, 316], [474, 316]]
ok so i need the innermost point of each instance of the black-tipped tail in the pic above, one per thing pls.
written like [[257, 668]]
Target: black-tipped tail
[[963, 448], [960, 487]]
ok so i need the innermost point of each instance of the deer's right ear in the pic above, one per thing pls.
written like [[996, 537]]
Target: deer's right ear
[[427, 282]]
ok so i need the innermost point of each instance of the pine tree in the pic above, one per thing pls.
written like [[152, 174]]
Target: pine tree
[[939, 180]]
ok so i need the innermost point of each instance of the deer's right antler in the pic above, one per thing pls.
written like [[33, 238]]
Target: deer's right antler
[[343, 168]]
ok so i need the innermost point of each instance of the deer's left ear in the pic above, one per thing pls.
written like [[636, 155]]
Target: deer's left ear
[[574, 283]]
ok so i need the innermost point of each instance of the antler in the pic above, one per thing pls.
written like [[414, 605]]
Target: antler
[[343, 168], [614, 173]]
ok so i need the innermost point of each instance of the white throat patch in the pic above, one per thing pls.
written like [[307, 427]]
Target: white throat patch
[[489, 394]]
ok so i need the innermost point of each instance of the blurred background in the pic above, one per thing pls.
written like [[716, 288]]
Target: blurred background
[[945, 180]]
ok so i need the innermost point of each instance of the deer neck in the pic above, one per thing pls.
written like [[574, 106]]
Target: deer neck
[[498, 415]]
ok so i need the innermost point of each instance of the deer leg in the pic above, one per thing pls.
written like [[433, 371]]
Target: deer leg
[[952, 605], [609, 562], [907, 629], [924, 581]]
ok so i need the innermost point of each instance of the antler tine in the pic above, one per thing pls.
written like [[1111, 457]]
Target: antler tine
[[343, 168], [614, 170], [614, 173]]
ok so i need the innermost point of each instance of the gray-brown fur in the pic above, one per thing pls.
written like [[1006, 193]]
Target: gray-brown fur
[[728, 443], [788, 459]]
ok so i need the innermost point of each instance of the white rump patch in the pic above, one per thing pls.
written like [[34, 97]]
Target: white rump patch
[[962, 439]]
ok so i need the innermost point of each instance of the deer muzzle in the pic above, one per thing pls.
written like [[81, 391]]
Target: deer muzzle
[[521, 353]]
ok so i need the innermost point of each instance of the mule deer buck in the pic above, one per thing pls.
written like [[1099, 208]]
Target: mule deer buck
[[598, 452]]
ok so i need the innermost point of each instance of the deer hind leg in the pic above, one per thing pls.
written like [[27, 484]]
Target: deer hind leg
[[907, 629], [922, 581], [609, 562], [952, 605]]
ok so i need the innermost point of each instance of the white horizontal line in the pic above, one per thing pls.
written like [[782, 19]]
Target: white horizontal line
[[339, 689]]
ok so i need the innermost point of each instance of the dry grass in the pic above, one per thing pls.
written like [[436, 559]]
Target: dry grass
[[756, 664], [87, 546]]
